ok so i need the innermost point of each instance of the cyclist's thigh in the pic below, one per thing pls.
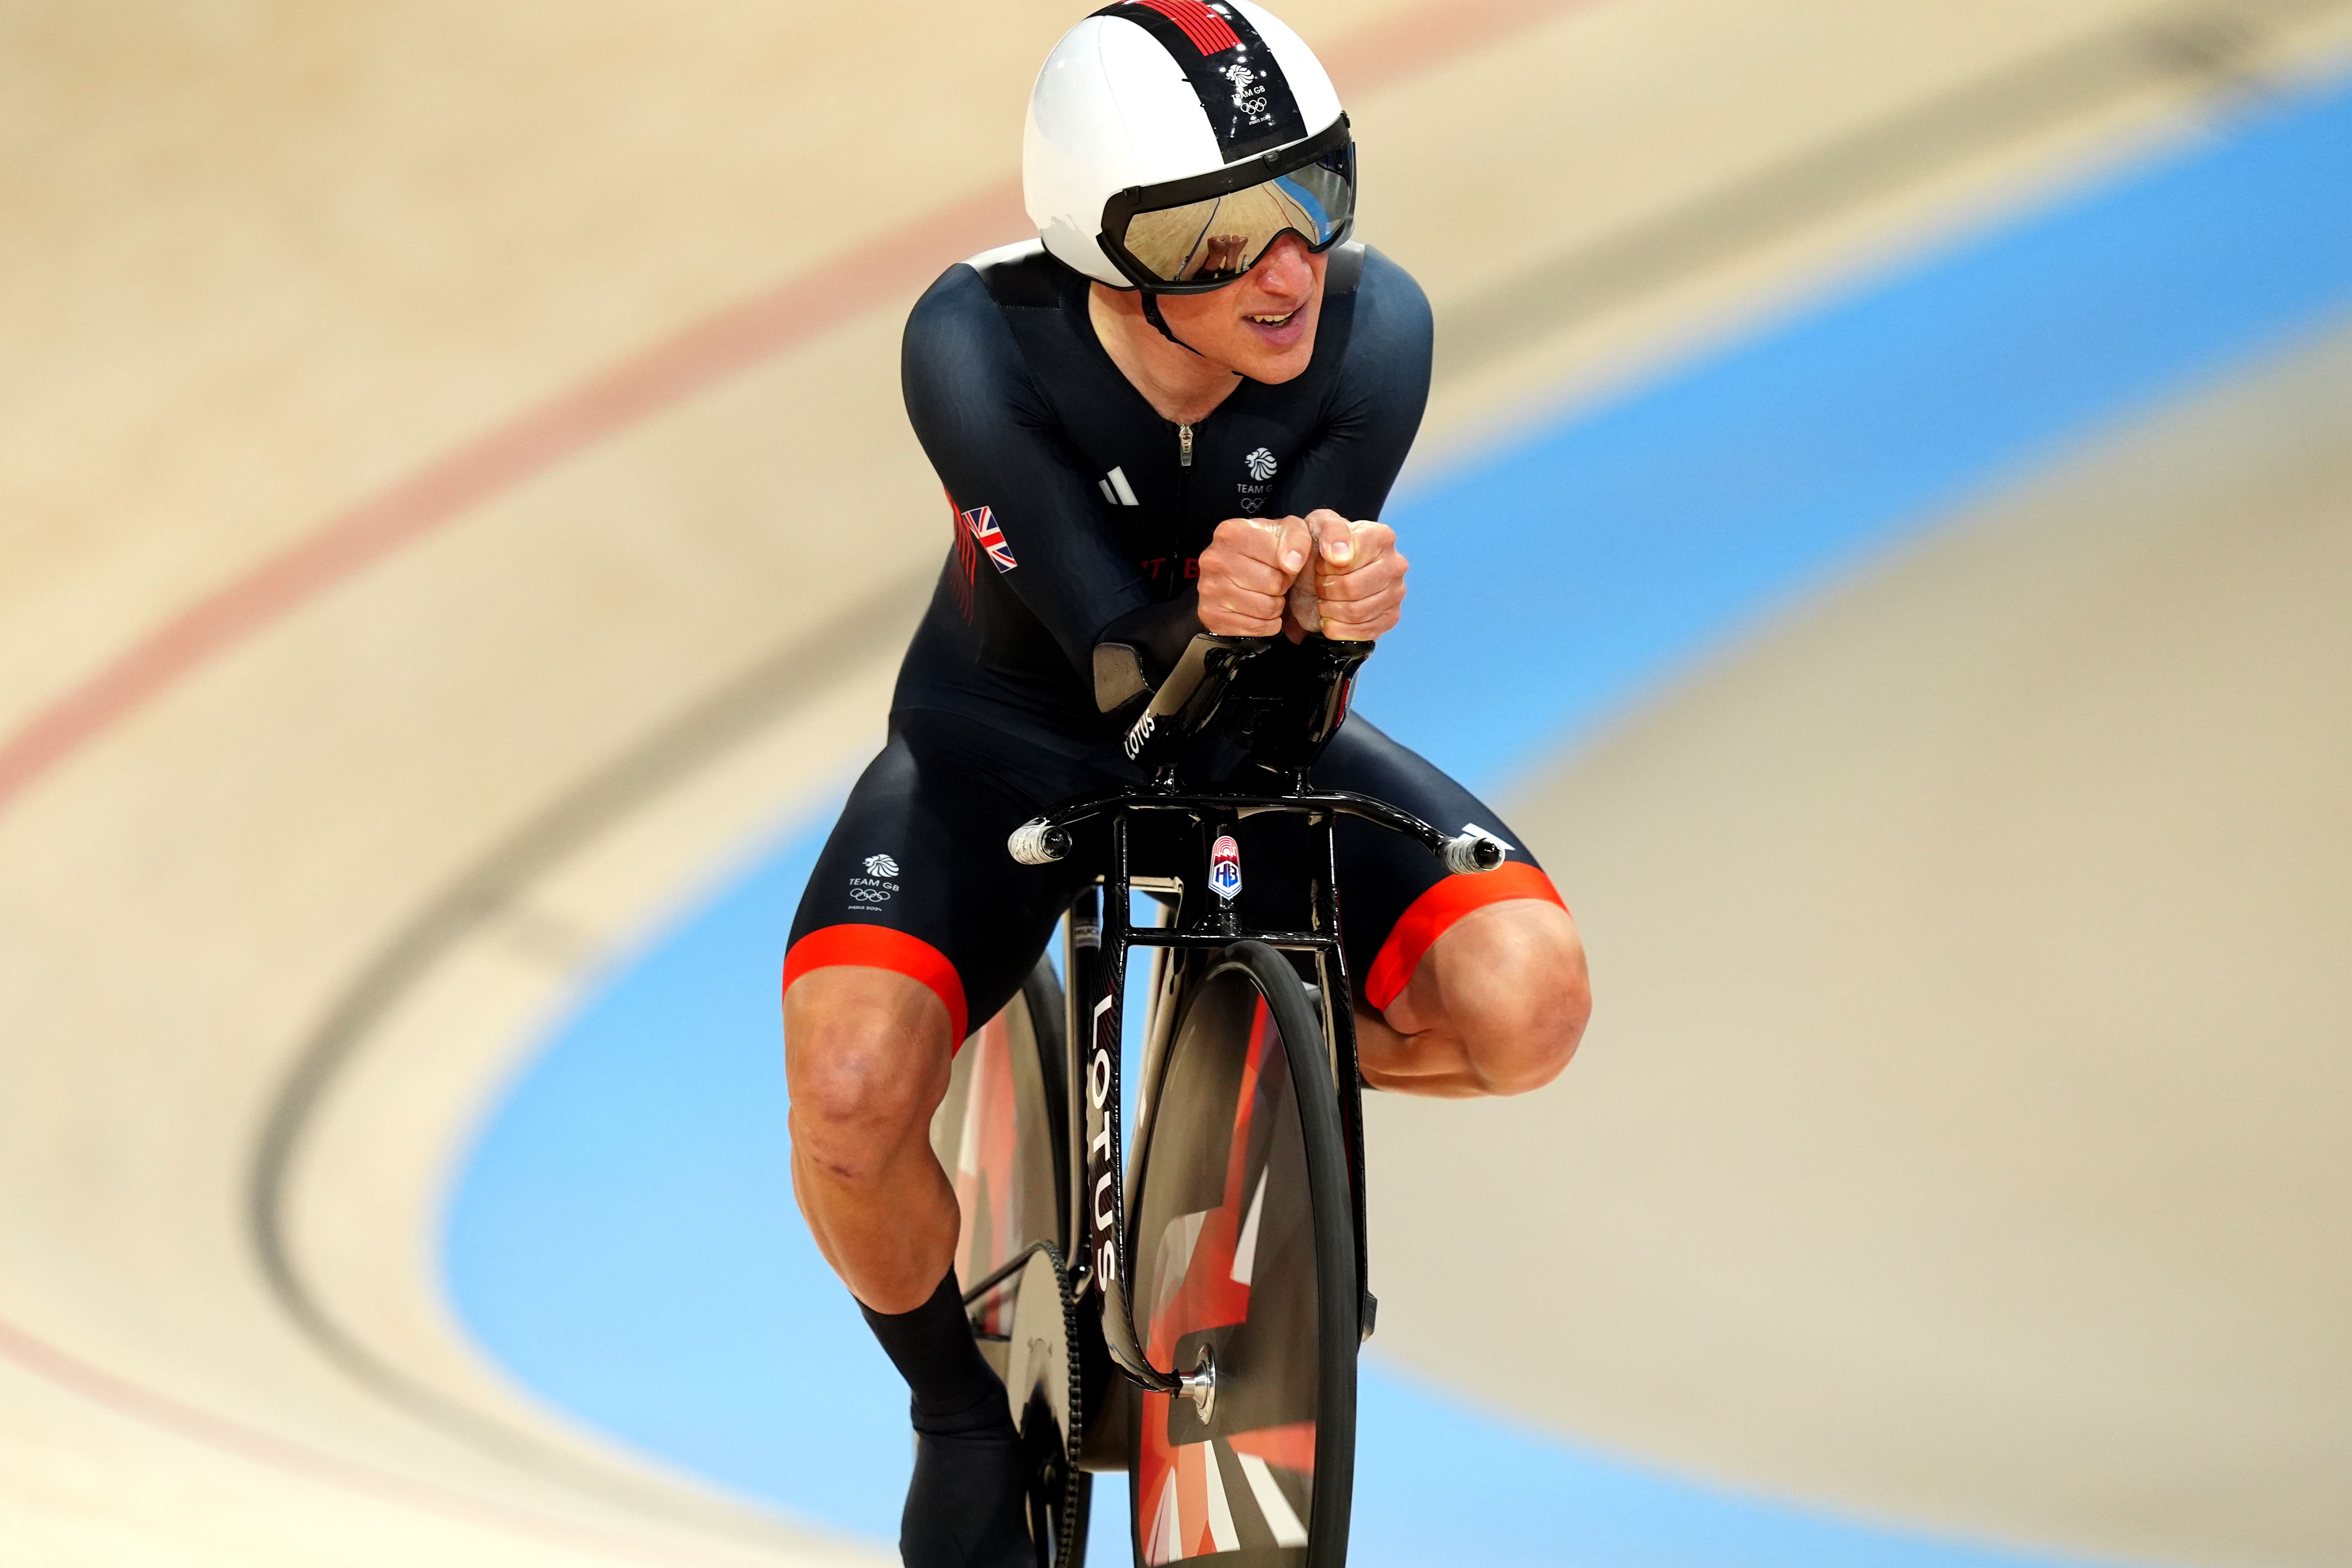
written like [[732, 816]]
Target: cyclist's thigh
[[1398, 898], [916, 878]]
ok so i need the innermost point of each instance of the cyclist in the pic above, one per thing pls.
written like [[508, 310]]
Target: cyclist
[[1186, 399]]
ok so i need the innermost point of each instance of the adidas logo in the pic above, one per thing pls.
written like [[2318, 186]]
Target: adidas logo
[[1116, 489]]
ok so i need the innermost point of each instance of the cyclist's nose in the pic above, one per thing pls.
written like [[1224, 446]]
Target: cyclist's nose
[[1287, 270]]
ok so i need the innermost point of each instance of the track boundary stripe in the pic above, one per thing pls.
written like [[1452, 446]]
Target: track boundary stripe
[[796, 311]]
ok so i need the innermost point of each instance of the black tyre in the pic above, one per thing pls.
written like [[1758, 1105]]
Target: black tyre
[[1002, 1134], [1243, 1246]]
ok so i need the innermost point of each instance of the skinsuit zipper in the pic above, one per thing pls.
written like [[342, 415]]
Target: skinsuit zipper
[[1183, 495]]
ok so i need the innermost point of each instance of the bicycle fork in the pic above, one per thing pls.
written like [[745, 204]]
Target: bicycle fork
[[1099, 942]]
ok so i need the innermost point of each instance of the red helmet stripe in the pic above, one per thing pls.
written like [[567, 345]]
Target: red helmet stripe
[[1211, 34], [1234, 71]]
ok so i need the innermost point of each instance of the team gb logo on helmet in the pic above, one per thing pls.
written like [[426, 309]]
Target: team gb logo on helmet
[[1249, 94]]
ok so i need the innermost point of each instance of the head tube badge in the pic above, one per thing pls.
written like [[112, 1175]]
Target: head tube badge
[[1225, 867]]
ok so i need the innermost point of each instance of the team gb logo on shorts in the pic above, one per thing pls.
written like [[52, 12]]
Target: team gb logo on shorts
[[1261, 465], [876, 887]]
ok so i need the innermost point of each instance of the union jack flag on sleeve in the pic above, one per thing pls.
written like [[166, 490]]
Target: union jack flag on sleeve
[[982, 521]]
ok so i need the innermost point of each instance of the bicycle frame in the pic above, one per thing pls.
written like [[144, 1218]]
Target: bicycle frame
[[1287, 733], [1100, 938]]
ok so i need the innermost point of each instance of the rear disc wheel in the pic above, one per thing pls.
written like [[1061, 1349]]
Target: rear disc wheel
[[1040, 1376], [1000, 1135]]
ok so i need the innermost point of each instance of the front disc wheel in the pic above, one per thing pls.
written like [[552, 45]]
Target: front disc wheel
[[1245, 1280]]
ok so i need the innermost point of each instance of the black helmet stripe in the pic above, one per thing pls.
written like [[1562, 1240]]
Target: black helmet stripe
[[1240, 85]]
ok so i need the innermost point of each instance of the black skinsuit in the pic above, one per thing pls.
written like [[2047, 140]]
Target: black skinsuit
[[1080, 517]]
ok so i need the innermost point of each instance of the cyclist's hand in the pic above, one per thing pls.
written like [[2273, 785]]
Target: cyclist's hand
[[1358, 576], [1246, 571]]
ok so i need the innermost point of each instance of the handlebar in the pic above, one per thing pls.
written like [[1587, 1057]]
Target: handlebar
[[1285, 728], [1468, 852], [1044, 840], [1282, 717], [1040, 843]]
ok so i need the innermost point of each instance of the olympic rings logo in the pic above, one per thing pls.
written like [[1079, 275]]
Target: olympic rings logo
[[870, 895]]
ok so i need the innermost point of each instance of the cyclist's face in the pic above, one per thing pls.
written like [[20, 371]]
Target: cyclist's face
[[1261, 325]]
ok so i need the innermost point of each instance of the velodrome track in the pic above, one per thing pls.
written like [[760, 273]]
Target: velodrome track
[[292, 868]]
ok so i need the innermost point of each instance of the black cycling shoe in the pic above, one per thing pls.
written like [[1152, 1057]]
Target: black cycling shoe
[[968, 1506]]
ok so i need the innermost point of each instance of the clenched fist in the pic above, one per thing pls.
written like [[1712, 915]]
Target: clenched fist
[[1358, 584], [1246, 572], [1255, 577]]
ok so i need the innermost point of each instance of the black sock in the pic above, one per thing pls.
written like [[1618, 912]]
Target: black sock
[[954, 1389]]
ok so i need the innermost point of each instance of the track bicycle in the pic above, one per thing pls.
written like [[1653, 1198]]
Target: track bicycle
[[1191, 1318]]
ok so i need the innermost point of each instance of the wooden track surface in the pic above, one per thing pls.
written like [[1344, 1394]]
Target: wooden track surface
[[1965, 1105], [453, 497]]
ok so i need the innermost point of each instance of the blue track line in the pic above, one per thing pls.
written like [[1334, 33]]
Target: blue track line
[[620, 1236]]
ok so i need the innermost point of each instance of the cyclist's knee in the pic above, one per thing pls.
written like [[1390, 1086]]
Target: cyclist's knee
[[867, 1053], [1515, 992]]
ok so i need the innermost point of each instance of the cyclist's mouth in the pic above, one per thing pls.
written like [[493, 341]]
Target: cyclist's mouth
[[1278, 329]]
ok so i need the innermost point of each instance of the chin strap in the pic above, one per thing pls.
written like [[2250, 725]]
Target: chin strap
[[1151, 314]]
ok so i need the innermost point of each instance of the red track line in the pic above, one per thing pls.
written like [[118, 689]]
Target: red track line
[[794, 313]]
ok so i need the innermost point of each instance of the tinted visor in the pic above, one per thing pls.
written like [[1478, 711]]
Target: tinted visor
[[1191, 235]]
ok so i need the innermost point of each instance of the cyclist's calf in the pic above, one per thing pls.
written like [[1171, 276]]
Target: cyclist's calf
[[1496, 1007]]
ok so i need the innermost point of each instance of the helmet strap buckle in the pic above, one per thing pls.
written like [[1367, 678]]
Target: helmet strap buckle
[[1151, 314]]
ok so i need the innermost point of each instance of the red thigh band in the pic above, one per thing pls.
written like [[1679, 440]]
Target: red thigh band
[[1430, 916], [879, 947]]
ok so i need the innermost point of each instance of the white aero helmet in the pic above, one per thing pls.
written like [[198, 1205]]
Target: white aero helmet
[[1170, 141]]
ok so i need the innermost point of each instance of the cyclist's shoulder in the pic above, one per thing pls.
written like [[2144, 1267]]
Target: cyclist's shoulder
[[1376, 339], [1390, 312], [1022, 277], [1380, 280], [971, 319], [981, 289]]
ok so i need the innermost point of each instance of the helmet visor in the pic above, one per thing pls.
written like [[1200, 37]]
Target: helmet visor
[[1180, 238]]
